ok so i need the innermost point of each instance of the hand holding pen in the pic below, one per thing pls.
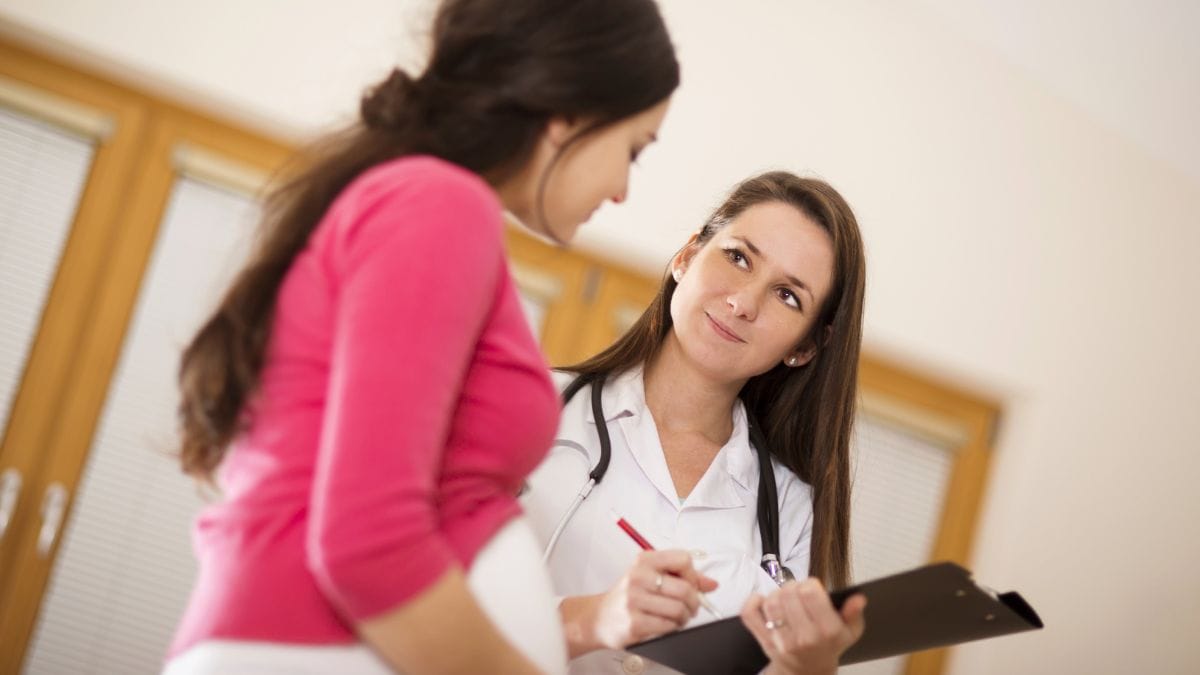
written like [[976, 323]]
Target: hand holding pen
[[646, 546], [658, 594]]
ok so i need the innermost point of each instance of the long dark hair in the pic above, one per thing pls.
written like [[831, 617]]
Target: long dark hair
[[805, 413], [498, 71]]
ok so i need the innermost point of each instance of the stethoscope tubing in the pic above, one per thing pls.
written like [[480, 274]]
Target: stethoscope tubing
[[768, 516], [566, 517]]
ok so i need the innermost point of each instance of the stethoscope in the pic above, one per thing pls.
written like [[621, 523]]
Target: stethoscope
[[768, 500]]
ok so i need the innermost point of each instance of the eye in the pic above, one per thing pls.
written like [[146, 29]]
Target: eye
[[736, 257], [789, 298]]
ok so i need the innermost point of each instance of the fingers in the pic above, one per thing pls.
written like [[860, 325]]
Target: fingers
[[678, 563], [671, 609], [853, 613], [675, 563], [639, 608], [798, 623], [787, 619], [666, 595], [755, 621], [810, 597], [680, 591], [707, 584], [655, 601], [646, 626]]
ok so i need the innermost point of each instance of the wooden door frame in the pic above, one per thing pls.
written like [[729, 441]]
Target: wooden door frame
[[967, 422], [569, 270], [93, 298], [619, 290], [61, 329]]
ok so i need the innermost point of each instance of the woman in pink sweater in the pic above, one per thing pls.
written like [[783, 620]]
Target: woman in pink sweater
[[368, 396]]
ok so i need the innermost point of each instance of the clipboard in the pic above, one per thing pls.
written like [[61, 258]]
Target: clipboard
[[932, 606]]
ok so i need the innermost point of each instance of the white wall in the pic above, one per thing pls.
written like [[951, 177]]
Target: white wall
[[1031, 230]]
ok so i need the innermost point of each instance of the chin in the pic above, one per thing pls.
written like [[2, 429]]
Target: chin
[[567, 234]]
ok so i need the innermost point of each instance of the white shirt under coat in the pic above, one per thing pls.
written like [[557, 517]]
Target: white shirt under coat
[[717, 521]]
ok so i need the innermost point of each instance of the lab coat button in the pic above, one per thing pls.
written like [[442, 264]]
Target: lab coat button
[[633, 664]]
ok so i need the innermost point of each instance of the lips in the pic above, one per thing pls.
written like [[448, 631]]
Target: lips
[[722, 330]]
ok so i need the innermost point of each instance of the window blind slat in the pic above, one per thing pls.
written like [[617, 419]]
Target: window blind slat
[[125, 568], [42, 174], [900, 481]]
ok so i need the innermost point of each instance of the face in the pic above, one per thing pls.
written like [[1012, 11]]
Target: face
[[748, 298], [591, 170]]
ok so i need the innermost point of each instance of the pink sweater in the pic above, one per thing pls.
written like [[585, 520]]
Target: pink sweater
[[403, 401]]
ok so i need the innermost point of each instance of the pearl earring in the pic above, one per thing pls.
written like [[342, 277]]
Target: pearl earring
[[678, 274], [793, 361]]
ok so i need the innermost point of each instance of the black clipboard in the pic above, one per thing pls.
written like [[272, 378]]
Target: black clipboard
[[932, 606]]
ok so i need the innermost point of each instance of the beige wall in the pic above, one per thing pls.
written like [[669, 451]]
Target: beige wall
[[1018, 242]]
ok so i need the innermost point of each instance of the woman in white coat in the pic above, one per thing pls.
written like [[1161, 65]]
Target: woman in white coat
[[744, 365]]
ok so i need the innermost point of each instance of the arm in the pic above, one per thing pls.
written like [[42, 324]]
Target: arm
[[636, 608], [416, 271], [425, 635]]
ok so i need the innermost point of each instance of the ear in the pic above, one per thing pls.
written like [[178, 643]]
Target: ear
[[801, 356], [560, 129], [807, 350], [684, 257]]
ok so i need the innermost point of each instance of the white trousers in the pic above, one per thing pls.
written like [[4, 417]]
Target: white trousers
[[507, 579]]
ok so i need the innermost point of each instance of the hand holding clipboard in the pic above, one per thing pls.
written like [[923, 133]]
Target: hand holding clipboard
[[932, 606]]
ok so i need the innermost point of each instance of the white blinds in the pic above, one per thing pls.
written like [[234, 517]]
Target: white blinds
[[125, 568], [42, 172], [899, 485], [900, 482]]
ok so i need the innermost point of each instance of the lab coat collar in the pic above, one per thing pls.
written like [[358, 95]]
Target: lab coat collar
[[734, 463], [624, 396], [741, 459]]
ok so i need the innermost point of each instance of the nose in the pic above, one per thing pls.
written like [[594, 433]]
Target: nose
[[743, 304], [622, 194]]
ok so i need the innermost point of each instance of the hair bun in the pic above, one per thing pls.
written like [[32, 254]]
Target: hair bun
[[385, 105]]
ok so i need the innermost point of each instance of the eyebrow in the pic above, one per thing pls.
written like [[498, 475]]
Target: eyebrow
[[791, 279]]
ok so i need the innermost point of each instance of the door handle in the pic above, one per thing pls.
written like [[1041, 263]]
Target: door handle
[[54, 506], [10, 493]]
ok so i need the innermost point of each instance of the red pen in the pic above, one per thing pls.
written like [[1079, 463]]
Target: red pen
[[646, 546]]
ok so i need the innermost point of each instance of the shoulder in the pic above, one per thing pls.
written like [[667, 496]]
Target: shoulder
[[424, 198], [786, 481], [562, 378], [795, 496], [424, 178], [574, 416]]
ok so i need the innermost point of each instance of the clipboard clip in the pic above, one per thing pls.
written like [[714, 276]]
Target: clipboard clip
[[986, 589]]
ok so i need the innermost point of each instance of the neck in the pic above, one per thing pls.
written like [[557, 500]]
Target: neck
[[684, 398], [518, 195], [515, 193]]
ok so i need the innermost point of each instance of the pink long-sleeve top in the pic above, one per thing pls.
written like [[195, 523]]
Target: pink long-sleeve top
[[402, 402]]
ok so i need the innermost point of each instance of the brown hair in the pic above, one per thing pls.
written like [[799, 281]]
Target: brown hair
[[498, 71], [805, 413]]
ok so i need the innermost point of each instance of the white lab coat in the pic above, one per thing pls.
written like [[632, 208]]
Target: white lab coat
[[717, 522]]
